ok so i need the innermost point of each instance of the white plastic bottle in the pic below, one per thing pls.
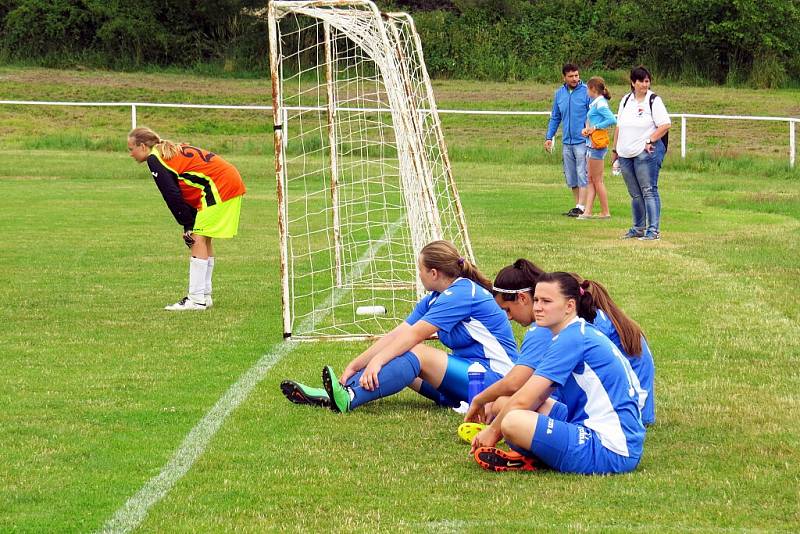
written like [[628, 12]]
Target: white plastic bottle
[[615, 170]]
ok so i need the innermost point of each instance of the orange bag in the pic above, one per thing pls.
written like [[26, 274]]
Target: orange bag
[[599, 139]]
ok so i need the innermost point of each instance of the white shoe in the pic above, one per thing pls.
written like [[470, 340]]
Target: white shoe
[[185, 304], [209, 302]]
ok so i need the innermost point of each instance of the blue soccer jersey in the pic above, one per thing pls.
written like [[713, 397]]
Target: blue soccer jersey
[[598, 386], [470, 323], [643, 366], [534, 346]]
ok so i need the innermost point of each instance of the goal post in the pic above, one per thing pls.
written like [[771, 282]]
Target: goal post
[[363, 177]]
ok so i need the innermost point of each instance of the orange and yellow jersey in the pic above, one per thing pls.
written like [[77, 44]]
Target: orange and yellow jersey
[[203, 178]]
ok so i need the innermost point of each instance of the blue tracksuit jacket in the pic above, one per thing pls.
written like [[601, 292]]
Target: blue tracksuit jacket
[[571, 108]]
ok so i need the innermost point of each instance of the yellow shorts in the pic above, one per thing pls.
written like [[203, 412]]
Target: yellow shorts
[[219, 220]]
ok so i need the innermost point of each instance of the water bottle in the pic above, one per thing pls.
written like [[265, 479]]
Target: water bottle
[[475, 372], [615, 170]]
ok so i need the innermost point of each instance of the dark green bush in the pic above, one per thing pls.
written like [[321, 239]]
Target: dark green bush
[[704, 41]]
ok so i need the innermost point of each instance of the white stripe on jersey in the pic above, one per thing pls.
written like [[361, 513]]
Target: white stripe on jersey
[[499, 361], [633, 379], [601, 415]]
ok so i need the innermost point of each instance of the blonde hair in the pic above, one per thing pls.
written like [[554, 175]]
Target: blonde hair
[[599, 85], [443, 256], [147, 137]]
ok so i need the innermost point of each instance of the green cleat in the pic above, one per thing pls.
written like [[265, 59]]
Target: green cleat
[[301, 394], [340, 398]]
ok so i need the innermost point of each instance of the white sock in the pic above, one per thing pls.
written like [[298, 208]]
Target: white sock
[[197, 279], [209, 271], [580, 207]]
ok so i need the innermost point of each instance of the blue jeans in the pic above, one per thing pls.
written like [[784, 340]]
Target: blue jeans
[[575, 165], [641, 178]]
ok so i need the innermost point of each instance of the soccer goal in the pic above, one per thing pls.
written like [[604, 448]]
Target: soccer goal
[[363, 176]]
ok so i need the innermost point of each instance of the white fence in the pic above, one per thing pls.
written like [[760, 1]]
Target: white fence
[[792, 122]]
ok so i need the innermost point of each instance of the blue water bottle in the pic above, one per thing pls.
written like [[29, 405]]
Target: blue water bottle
[[475, 372]]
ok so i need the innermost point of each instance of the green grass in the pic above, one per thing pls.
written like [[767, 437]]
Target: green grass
[[100, 386]]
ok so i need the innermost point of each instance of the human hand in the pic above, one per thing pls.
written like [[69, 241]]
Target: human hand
[[586, 132], [188, 238], [369, 378], [348, 372], [488, 437], [548, 145], [474, 412]]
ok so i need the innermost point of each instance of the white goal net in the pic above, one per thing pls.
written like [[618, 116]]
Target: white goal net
[[363, 177]]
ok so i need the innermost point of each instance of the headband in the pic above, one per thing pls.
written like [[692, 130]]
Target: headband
[[511, 291]]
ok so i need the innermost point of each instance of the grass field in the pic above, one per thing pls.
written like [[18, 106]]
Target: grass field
[[108, 400]]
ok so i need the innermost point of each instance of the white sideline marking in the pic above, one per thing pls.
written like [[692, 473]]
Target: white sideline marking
[[133, 512]]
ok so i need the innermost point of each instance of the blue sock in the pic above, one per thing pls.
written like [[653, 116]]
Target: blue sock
[[393, 377], [427, 390]]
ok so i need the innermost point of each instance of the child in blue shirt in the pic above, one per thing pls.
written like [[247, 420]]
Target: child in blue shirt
[[464, 314], [598, 118], [598, 428], [513, 288]]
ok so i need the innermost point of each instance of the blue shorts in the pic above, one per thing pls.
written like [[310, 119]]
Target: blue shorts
[[596, 153], [455, 384], [572, 448]]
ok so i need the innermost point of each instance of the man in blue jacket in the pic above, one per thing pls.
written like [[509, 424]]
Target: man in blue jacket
[[570, 106]]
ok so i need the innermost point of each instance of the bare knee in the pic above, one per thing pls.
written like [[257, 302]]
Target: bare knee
[[518, 427]]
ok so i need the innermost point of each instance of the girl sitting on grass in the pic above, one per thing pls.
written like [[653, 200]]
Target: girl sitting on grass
[[513, 288], [595, 427], [460, 309]]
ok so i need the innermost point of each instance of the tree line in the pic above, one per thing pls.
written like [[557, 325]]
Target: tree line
[[754, 42]]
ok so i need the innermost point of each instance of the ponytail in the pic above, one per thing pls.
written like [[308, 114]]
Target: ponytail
[[514, 279], [443, 256], [630, 333], [145, 136], [599, 85]]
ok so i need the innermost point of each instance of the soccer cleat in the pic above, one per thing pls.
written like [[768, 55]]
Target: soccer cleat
[[467, 431], [185, 304], [301, 394], [337, 393], [494, 459], [209, 302]]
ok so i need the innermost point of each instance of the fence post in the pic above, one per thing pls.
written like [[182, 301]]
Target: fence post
[[683, 137], [792, 144], [133, 116]]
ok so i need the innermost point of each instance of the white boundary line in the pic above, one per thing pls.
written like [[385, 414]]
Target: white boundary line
[[135, 509]]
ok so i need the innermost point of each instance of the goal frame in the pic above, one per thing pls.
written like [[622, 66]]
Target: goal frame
[[276, 10]]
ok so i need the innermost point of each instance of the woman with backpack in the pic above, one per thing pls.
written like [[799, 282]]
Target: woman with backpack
[[640, 146]]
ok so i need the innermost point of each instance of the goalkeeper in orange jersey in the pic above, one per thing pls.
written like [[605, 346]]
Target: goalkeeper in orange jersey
[[203, 192]]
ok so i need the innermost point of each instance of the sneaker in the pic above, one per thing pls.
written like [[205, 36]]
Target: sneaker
[[651, 236], [467, 431], [632, 234], [494, 459], [337, 393], [584, 217], [574, 212], [209, 302], [301, 394], [185, 304]]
